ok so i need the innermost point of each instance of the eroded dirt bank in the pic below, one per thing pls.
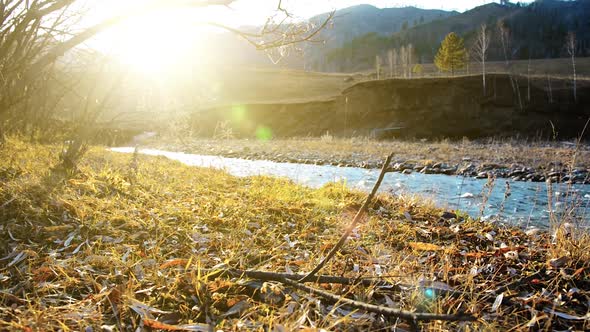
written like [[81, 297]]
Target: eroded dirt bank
[[439, 107]]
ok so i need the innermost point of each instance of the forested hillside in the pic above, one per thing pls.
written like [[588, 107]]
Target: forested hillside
[[535, 31]]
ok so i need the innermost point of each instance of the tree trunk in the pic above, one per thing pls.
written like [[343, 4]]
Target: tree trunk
[[575, 78], [549, 89], [528, 80], [483, 64]]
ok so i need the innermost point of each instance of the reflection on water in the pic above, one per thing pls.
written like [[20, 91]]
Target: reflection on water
[[523, 203]]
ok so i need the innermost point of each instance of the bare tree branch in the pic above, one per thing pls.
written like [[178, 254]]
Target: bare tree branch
[[283, 39], [410, 316]]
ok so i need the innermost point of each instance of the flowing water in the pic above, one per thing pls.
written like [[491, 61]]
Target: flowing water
[[524, 203]]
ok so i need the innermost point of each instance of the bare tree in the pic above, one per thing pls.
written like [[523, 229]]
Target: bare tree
[[403, 56], [409, 58], [571, 46], [395, 61], [506, 41], [378, 66], [480, 51], [549, 89], [528, 80], [390, 62], [28, 29]]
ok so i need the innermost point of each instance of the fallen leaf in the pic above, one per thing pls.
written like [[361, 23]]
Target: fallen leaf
[[174, 262], [143, 309], [498, 302], [421, 246], [556, 263], [167, 327], [237, 309]]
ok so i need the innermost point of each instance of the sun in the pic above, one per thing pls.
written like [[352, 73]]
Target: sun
[[159, 42], [153, 45]]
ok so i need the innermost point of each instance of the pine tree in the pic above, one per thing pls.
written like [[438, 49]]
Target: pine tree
[[451, 54]]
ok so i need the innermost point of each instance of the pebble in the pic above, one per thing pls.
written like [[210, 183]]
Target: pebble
[[482, 175], [449, 215]]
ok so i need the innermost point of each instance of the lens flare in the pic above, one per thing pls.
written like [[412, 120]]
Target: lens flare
[[263, 133]]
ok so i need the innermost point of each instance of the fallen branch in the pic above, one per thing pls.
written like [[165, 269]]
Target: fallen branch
[[352, 225], [386, 311], [323, 279], [320, 279], [291, 280]]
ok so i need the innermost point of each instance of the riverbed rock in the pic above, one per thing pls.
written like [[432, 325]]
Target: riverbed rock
[[482, 175], [517, 173], [448, 215], [488, 167], [428, 170], [467, 170], [448, 170]]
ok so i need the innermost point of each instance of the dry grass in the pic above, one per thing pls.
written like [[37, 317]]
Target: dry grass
[[273, 84], [125, 244]]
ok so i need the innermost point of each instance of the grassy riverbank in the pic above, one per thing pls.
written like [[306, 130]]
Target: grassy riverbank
[[132, 241]]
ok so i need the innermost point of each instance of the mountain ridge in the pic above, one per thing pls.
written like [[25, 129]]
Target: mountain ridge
[[362, 32]]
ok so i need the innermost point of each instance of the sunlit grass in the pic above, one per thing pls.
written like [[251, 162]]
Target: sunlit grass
[[96, 248]]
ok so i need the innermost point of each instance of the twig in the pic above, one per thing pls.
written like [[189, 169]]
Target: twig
[[519, 282], [352, 225], [8, 202], [386, 311], [578, 143]]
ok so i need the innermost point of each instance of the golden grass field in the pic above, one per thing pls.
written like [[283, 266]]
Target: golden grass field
[[130, 242]]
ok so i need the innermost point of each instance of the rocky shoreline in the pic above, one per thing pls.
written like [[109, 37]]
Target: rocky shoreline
[[556, 172]]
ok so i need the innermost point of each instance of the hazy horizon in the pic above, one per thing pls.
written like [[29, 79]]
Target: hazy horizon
[[135, 37]]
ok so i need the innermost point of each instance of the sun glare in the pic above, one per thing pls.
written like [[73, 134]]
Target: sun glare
[[160, 42], [152, 45]]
